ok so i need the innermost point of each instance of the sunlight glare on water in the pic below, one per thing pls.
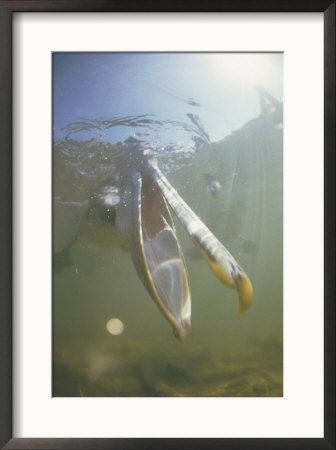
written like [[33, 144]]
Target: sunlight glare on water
[[115, 326]]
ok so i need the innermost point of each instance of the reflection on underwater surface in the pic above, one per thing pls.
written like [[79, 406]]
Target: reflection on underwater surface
[[235, 186]]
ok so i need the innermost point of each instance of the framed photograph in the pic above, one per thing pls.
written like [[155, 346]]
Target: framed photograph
[[168, 211]]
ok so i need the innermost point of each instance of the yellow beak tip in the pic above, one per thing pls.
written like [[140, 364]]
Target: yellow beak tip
[[245, 291]]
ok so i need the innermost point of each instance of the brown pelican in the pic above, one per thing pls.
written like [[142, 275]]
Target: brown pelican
[[137, 199], [143, 217]]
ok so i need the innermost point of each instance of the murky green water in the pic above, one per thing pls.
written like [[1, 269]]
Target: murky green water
[[223, 355]]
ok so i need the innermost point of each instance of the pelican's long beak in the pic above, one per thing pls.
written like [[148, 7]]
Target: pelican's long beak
[[226, 269], [143, 216], [221, 262]]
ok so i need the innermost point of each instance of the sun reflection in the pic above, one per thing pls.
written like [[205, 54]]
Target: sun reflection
[[243, 68], [115, 326]]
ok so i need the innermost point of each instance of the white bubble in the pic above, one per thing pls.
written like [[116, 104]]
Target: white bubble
[[115, 326]]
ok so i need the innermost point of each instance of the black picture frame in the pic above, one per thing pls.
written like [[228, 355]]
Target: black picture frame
[[7, 9]]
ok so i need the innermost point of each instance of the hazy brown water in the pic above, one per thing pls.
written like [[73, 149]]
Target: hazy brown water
[[223, 355]]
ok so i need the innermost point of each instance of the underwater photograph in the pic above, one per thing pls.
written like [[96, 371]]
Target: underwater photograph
[[167, 224]]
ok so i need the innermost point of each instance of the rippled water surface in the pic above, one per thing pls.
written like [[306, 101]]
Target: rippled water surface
[[214, 123]]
